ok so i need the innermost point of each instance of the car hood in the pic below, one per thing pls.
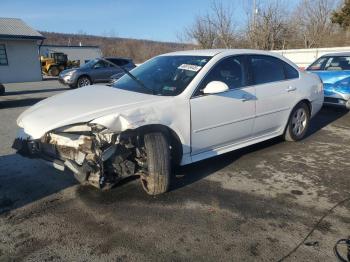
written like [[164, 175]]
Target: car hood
[[331, 77], [80, 106]]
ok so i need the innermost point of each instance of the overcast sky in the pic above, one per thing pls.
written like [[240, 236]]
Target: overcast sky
[[144, 19]]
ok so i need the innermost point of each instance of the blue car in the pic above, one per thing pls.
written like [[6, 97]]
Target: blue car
[[334, 70]]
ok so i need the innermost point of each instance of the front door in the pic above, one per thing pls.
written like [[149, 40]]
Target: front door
[[101, 71], [219, 120]]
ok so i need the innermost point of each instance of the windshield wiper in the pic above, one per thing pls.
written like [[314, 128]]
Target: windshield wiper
[[129, 74]]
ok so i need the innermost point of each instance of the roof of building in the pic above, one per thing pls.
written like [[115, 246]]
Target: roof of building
[[72, 46], [15, 28]]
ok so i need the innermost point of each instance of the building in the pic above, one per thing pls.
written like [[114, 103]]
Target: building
[[74, 53], [304, 57], [19, 53]]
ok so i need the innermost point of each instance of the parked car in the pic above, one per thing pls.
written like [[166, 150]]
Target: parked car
[[95, 71], [174, 109], [115, 78], [334, 70]]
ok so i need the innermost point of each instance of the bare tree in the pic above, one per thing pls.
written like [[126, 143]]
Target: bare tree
[[215, 29], [313, 21], [202, 32], [268, 28]]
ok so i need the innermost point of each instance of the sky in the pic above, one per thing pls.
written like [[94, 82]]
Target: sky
[[160, 20]]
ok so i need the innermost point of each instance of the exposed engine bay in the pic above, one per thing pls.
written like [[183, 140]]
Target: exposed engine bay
[[93, 153]]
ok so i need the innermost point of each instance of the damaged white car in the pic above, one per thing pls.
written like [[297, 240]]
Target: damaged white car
[[174, 109]]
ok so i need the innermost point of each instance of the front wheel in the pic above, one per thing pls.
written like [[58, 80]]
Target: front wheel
[[156, 179], [298, 123], [54, 71], [83, 81]]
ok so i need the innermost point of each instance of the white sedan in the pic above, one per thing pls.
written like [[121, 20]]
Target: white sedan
[[177, 108]]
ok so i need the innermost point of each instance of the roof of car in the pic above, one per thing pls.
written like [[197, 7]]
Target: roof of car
[[338, 54], [213, 52]]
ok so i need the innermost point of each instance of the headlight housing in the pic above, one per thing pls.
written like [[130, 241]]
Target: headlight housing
[[70, 73]]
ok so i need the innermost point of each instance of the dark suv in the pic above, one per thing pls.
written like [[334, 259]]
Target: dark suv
[[95, 71]]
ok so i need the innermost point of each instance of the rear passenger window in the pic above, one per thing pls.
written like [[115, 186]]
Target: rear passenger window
[[119, 62], [266, 69], [290, 71]]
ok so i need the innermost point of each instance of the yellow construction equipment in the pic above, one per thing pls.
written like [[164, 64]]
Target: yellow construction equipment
[[56, 63]]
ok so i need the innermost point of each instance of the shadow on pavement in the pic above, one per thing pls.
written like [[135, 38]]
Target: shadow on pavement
[[19, 103], [326, 116], [197, 171], [24, 181]]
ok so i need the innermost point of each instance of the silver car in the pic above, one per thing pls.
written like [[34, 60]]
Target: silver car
[[95, 71]]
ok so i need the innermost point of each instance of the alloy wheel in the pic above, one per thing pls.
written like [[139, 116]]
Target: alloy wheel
[[84, 81], [299, 121]]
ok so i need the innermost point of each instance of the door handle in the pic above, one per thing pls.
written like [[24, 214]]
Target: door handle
[[246, 98], [291, 89]]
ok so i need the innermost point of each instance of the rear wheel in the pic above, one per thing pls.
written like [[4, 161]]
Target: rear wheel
[[156, 179], [2, 90], [83, 81], [298, 123], [54, 71]]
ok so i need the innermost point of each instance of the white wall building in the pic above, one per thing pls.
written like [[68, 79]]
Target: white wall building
[[81, 53], [19, 53], [304, 57]]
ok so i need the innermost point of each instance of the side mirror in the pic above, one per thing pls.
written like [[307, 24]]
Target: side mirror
[[215, 87]]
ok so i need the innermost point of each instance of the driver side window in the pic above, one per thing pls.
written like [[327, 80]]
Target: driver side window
[[100, 64], [229, 70]]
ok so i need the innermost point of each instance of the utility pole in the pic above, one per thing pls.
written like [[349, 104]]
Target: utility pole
[[254, 13]]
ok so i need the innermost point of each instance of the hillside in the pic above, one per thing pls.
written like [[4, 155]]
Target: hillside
[[139, 50]]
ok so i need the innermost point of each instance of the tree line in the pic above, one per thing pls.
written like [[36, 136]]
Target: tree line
[[273, 25], [138, 50]]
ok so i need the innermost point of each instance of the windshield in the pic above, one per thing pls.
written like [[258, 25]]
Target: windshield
[[331, 63], [163, 75], [90, 64]]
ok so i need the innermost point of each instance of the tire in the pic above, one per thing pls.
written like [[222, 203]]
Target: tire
[[298, 123], [83, 81], [157, 179], [53, 71], [2, 90]]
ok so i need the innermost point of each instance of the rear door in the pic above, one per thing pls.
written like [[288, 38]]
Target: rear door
[[275, 84]]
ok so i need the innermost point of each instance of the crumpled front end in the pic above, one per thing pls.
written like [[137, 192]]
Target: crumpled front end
[[93, 153], [337, 94]]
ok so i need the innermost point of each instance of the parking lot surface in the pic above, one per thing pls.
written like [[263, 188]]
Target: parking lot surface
[[252, 204]]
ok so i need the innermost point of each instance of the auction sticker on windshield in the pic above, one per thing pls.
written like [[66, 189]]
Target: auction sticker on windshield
[[194, 68]]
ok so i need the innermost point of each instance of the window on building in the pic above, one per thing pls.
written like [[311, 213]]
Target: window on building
[[3, 55]]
